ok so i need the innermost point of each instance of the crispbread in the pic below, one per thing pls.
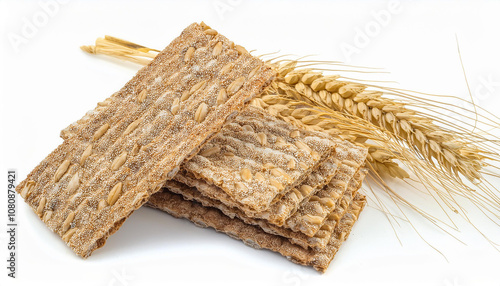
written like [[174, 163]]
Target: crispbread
[[320, 239], [260, 158], [283, 212], [255, 236], [279, 211], [117, 157], [312, 214]]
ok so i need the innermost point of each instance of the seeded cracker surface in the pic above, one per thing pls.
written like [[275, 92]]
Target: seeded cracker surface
[[279, 211], [319, 240], [312, 211], [261, 158], [254, 236], [86, 188]]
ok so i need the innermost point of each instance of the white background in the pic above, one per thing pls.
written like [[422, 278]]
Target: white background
[[47, 83]]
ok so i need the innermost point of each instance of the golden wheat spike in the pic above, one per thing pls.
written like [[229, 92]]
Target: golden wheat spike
[[437, 153]]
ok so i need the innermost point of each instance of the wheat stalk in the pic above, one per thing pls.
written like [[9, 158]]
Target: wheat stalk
[[438, 155], [457, 154]]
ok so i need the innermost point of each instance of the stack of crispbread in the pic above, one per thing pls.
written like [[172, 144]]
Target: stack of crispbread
[[294, 192], [179, 137]]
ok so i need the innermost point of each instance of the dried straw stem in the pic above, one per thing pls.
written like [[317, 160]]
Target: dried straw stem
[[121, 49]]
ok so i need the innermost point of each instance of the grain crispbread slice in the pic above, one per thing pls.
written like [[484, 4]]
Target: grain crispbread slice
[[253, 235], [258, 158], [284, 210], [279, 211], [86, 188], [312, 214], [319, 240]]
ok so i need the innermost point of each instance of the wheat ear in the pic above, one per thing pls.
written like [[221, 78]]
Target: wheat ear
[[436, 154]]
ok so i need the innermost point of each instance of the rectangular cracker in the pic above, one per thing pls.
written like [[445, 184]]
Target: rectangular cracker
[[279, 211], [86, 188], [319, 240], [253, 235], [260, 158], [283, 212]]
